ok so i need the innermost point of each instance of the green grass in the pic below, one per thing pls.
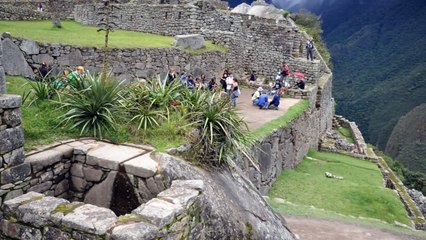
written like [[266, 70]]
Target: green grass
[[41, 119], [360, 194], [282, 121], [77, 34], [41, 125], [346, 133]]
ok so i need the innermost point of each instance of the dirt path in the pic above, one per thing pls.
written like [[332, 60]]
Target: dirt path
[[256, 117], [320, 229]]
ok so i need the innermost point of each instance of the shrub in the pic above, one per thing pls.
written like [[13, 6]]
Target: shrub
[[220, 131], [92, 109]]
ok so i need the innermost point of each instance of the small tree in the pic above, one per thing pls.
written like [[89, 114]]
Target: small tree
[[107, 24]]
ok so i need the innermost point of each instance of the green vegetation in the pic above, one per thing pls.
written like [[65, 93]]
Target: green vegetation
[[360, 194], [65, 208], [311, 24], [81, 35], [379, 66], [41, 121], [346, 133], [282, 121]]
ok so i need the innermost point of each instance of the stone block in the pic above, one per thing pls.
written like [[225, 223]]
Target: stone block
[[30, 47], [142, 166], [43, 58], [152, 186], [14, 174], [51, 233], [158, 211], [8, 101], [135, 231], [41, 188], [12, 117], [44, 159], [10, 139], [92, 175], [101, 194], [46, 176], [179, 195], [193, 41], [18, 231], [91, 219], [16, 63], [14, 157], [13, 194], [10, 206], [74, 58], [143, 191], [77, 170], [192, 184], [61, 187], [66, 150], [37, 213], [78, 184], [110, 156]]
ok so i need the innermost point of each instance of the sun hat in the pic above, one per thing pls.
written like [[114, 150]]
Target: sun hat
[[260, 89]]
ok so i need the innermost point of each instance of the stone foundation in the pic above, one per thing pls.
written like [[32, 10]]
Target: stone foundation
[[174, 214]]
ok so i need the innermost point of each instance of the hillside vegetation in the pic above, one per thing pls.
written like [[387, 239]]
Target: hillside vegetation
[[407, 143], [361, 193], [379, 65]]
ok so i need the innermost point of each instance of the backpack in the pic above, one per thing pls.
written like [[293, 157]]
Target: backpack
[[287, 71], [310, 45]]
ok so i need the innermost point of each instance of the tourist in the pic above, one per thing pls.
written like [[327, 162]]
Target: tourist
[[229, 83], [235, 92], [284, 72], [183, 76], [199, 84], [76, 76], [263, 101], [190, 83], [203, 79], [309, 49], [223, 81], [212, 85], [275, 87], [171, 75], [275, 101], [43, 70], [255, 96], [301, 84], [253, 76]]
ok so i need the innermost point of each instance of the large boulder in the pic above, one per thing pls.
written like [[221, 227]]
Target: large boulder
[[74, 58], [16, 63], [233, 208], [243, 8], [193, 41], [30, 47]]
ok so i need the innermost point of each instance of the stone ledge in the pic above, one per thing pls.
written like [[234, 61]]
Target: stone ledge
[[111, 156], [142, 166], [10, 101]]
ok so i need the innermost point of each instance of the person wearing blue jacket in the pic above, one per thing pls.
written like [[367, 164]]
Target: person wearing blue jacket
[[275, 101], [263, 101]]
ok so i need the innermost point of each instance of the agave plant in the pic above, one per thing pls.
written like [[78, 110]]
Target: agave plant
[[221, 132], [146, 117], [92, 109]]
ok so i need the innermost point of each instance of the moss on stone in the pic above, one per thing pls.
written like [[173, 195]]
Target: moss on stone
[[129, 218], [32, 200], [64, 208]]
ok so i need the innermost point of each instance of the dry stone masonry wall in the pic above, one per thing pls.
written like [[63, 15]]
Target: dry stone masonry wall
[[174, 214], [127, 64]]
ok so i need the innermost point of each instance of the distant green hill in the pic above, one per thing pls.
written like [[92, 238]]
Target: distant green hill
[[407, 143], [380, 65]]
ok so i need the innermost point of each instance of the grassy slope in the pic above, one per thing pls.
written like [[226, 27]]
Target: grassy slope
[[80, 35], [346, 133], [360, 194]]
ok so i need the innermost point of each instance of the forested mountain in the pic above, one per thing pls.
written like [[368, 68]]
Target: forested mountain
[[378, 50]]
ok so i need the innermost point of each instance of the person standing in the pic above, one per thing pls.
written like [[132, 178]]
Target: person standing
[[309, 49], [235, 92], [229, 83]]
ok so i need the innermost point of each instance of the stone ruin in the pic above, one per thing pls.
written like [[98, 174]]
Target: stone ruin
[[78, 188]]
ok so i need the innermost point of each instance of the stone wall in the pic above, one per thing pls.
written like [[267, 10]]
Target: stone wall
[[286, 147], [127, 64], [174, 214], [27, 9], [360, 145], [2, 75], [254, 43]]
